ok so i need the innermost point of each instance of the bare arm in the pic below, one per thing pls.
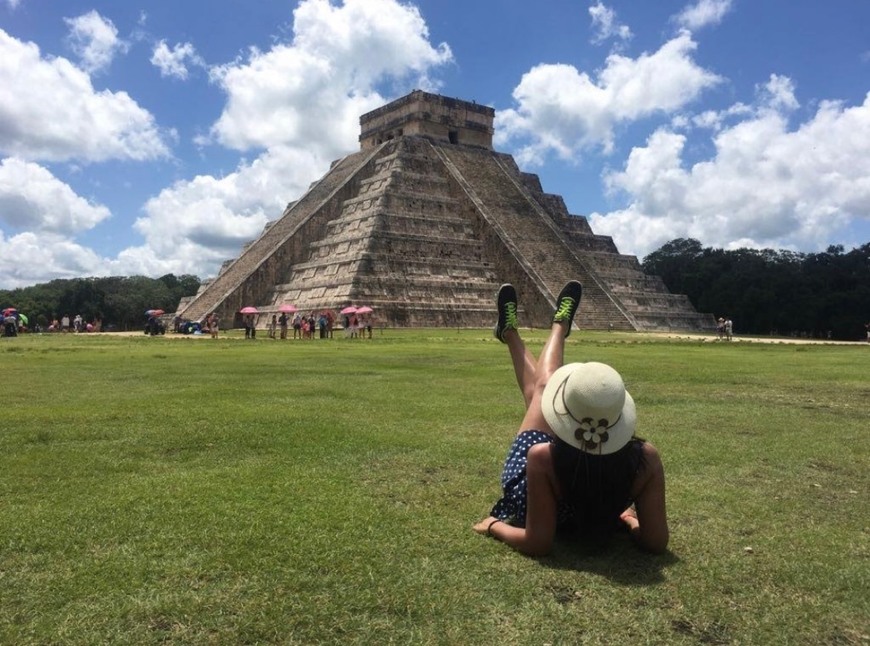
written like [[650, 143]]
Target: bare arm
[[536, 538], [648, 525]]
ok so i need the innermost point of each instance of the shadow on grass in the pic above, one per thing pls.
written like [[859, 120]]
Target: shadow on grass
[[615, 558]]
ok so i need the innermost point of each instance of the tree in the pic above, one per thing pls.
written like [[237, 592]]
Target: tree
[[117, 300], [675, 262], [765, 290]]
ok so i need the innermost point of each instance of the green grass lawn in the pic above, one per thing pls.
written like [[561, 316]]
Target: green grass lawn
[[194, 491]]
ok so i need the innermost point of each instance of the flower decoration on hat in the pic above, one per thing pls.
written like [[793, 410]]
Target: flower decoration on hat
[[591, 434], [587, 406]]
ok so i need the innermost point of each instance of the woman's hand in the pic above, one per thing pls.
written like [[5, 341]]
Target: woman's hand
[[629, 517], [483, 526]]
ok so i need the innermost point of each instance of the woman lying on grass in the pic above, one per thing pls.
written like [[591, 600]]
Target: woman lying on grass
[[575, 463]]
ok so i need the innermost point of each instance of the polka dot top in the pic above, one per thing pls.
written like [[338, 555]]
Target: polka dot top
[[511, 508]]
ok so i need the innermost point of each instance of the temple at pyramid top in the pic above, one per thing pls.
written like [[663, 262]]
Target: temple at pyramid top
[[429, 115]]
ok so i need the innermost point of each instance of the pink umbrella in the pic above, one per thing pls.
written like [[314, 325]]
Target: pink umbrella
[[350, 309], [365, 309], [249, 310], [287, 308]]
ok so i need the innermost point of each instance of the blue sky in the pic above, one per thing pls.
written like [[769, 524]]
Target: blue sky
[[157, 137]]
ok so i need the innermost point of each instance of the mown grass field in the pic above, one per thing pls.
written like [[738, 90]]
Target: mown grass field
[[191, 491]]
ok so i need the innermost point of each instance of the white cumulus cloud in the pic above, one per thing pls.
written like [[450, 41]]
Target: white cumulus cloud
[[94, 40], [767, 185], [703, 13], [32, 198], [38, 257], [329, 75], [209, 218], [173, 61], [50, 111], [606, 25], [565, 111]]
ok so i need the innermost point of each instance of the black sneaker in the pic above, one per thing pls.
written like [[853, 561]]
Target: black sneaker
[[567, 304], [507, 311]]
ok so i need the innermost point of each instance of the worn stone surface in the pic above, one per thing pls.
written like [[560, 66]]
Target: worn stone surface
[[423, 224]]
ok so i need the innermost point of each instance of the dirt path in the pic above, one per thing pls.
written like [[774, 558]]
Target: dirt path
[[711, 338]]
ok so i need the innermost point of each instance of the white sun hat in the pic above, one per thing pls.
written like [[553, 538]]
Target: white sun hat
[[587, 406]]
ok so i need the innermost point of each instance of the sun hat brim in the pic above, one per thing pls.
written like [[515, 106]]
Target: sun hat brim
[[565, 426]]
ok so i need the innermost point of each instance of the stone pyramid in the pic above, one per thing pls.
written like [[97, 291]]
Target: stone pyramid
[[423, 224]]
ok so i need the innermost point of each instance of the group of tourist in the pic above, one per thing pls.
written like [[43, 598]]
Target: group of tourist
[[75, 324], [279, 326], [11, 323], [303, 326], [306, 326], [316, 324]]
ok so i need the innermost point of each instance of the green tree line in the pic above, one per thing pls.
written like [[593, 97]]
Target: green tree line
[[118, 301], [772, 292]]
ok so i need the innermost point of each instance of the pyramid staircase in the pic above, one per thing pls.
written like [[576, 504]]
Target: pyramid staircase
[[249, 279]]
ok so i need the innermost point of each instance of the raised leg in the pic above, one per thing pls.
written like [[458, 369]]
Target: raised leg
[[552, 356], [525, 365], [506, 330]]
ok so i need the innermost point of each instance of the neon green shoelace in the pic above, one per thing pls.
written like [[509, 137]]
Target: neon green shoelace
[[564, 310], [510, 315]]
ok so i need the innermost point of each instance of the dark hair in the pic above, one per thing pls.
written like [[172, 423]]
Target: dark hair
[[597, 487]]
